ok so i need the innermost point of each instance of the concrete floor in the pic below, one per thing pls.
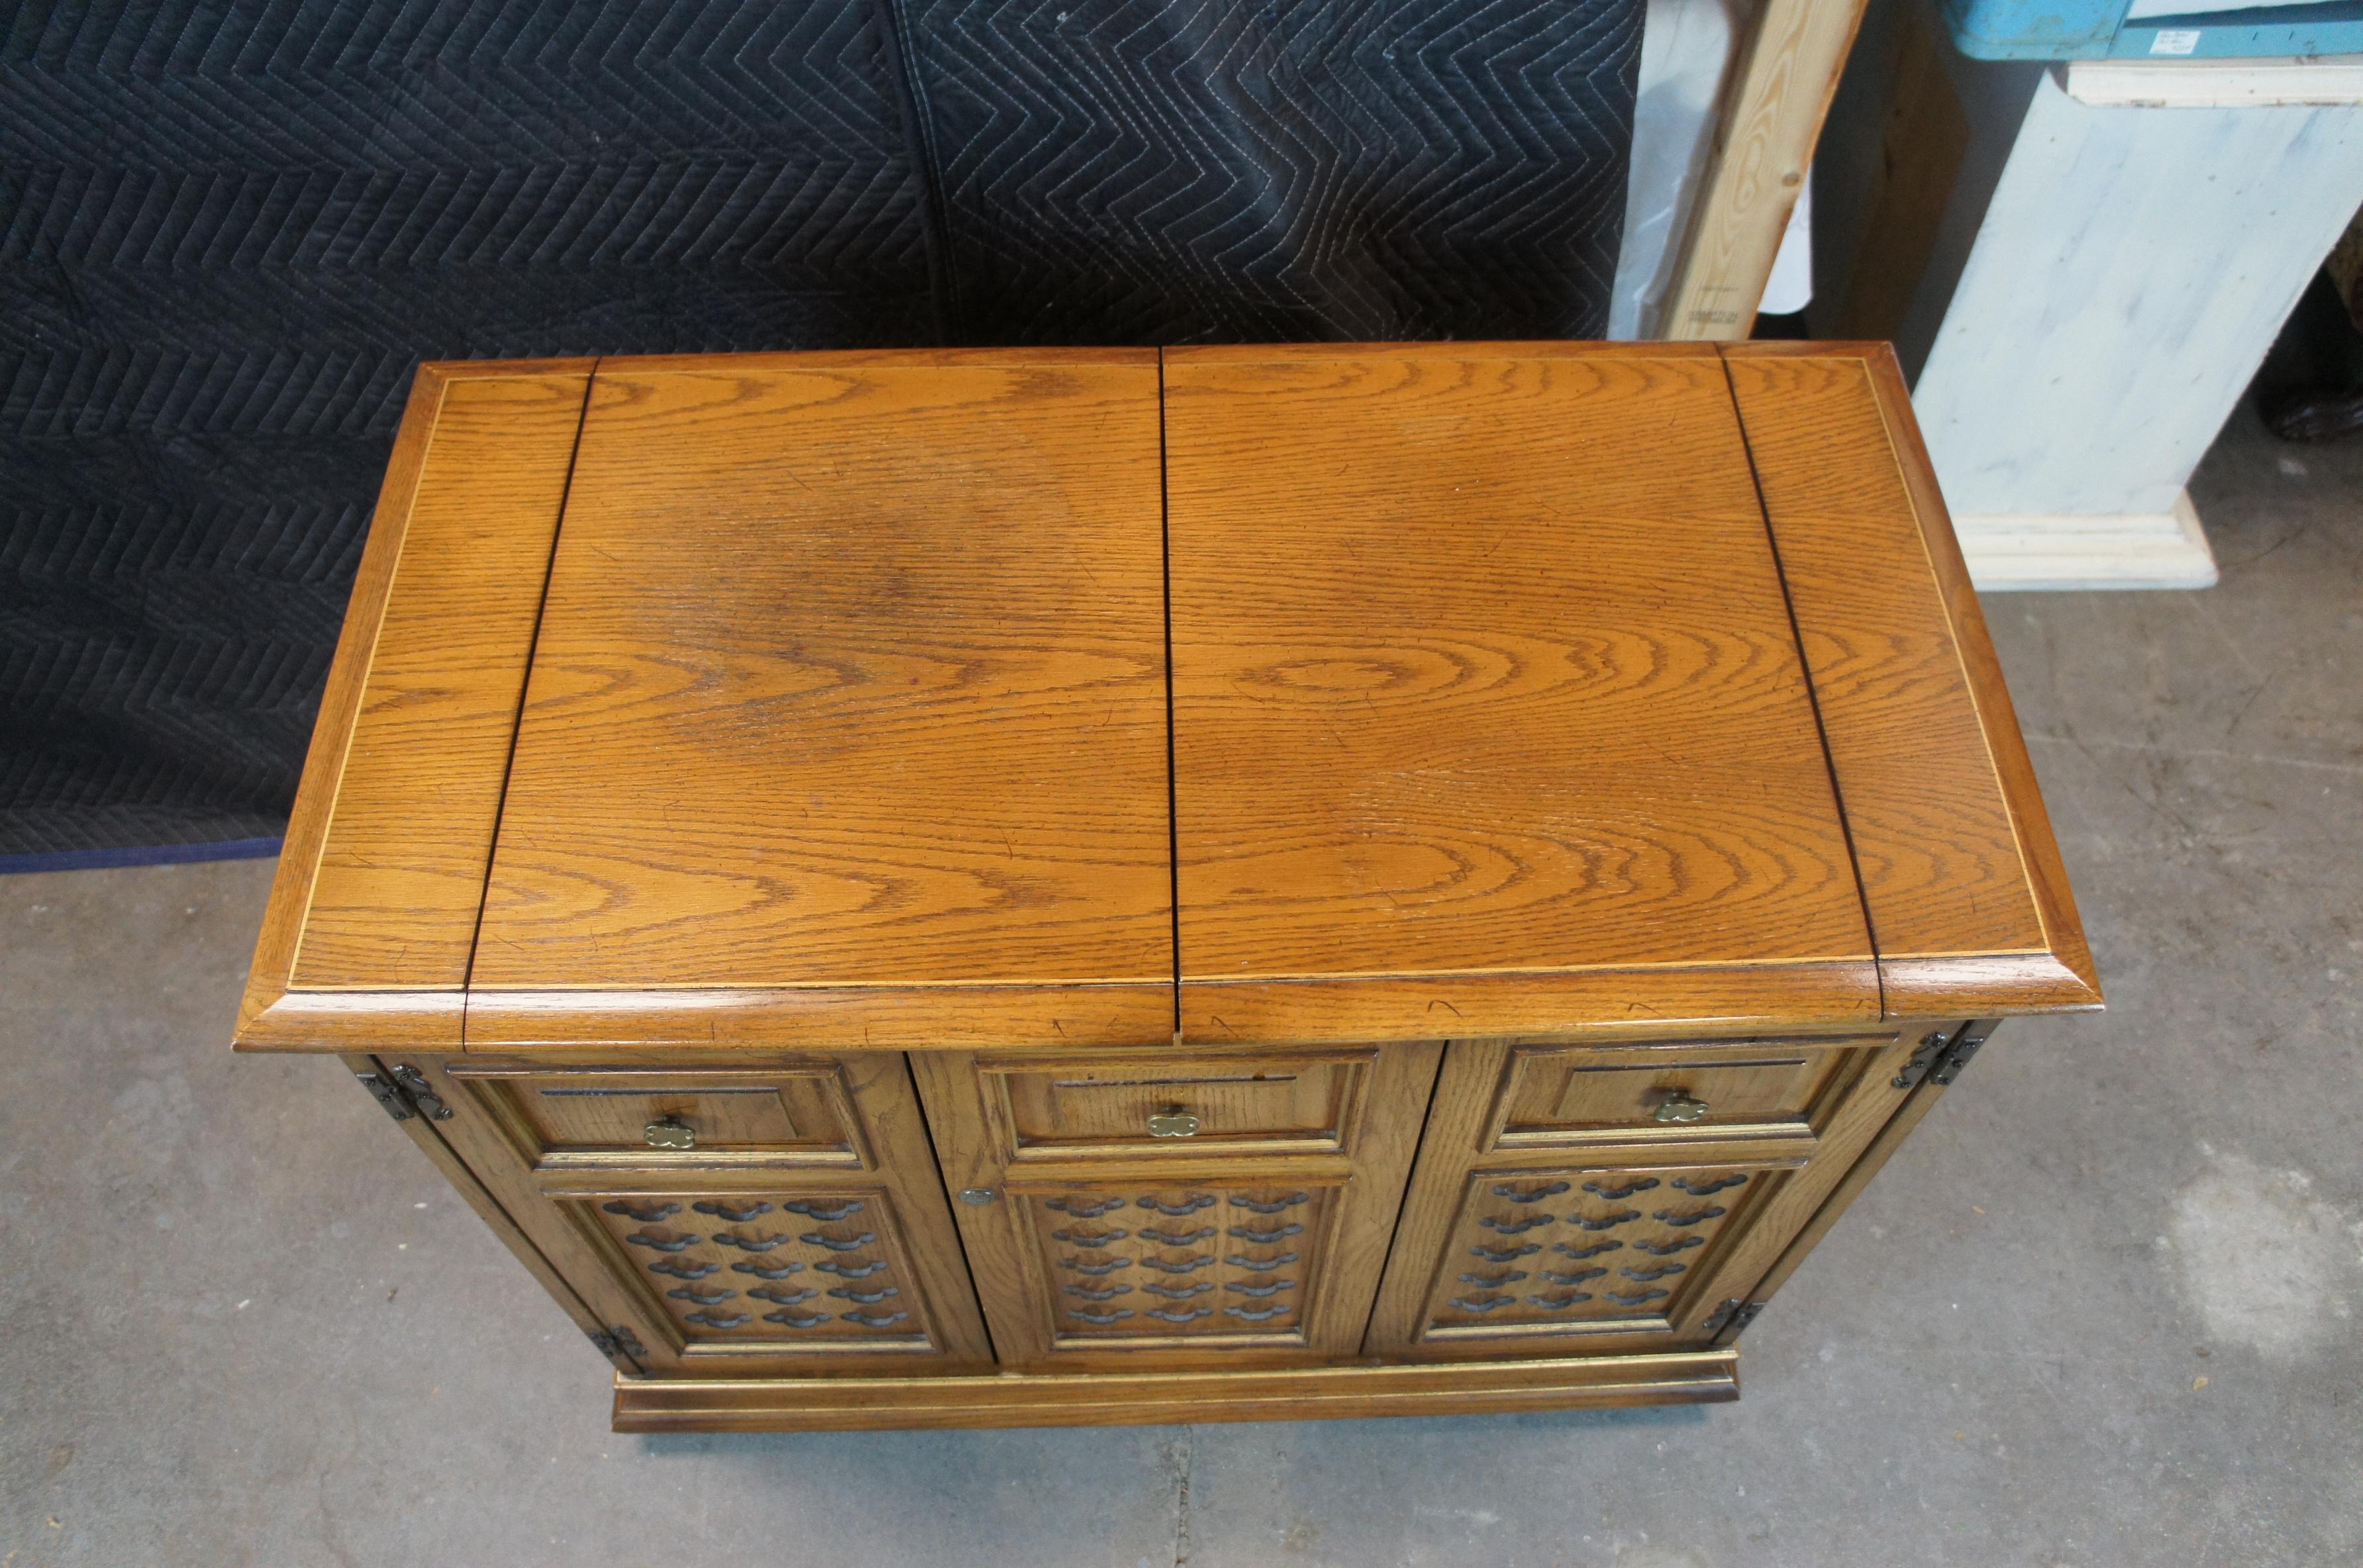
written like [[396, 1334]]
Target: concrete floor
[[2102, 1310]]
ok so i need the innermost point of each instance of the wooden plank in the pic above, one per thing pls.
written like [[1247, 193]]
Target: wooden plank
[[1780, 93], [1116, 1398], [366, 939], [1483, 689], [2273, 82], [851, 683], [1969, 902]]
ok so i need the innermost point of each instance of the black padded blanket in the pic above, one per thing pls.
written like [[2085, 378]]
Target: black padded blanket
[[230, 231]]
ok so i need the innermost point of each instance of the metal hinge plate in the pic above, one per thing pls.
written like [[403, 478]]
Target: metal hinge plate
[[387, 1094], [403, 1090], [1726, 1320], [623, 1342], [1943, 1052]]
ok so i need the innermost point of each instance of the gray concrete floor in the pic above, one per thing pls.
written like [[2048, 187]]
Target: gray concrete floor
[[2102, 1310]]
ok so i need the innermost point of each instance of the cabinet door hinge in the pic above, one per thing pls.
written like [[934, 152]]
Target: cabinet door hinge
[[623, 1342], [1726, 1320], [386, 1094], [404, 1092], [1966, 1041], [1943, 1052]]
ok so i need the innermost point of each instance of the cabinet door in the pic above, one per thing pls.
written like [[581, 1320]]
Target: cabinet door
[[1580, 1200], [1168, 1209], [728, 1220]]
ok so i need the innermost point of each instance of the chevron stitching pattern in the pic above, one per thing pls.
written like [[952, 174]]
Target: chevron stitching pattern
[[229, 231], [1244, 170]]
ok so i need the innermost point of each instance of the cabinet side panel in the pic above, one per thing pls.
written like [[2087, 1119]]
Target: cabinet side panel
[[402, 869], [1959, 874]]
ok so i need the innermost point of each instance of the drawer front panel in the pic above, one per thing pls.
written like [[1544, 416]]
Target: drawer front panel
[[786, 1118], [1192, 1263], [1561, 1097], [1161, 1105]]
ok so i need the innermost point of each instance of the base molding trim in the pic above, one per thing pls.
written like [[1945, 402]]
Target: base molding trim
[[2011, 552], [1133, 1399]]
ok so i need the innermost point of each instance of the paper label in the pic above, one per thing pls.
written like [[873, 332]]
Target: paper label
[[2174, 40]]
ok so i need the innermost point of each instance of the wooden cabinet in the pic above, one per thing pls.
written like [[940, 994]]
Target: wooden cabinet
[[998, 887]]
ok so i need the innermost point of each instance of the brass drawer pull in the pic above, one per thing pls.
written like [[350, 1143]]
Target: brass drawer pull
[[1680, 1106], [670, 1132], [1174, 1122]]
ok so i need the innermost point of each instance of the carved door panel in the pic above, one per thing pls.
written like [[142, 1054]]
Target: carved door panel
[[1161, 1209], [1555, 1210], [781, 1218]]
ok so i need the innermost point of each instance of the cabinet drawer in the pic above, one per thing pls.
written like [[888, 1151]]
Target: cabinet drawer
[[1159, 1103], [1560, 1096], [793, 1116]]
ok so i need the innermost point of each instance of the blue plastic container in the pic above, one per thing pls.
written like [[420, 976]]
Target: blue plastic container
[[2098, 29]]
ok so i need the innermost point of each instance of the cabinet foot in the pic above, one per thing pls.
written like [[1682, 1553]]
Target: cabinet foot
[[1061, 1399]]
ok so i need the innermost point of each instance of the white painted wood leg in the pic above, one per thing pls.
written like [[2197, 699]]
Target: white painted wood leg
[[2131, 271], [2008, 553]]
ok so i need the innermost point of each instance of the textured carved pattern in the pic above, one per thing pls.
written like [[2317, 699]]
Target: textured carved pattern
[[1198, 1262], [1598, 1258], [832, 1274]]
